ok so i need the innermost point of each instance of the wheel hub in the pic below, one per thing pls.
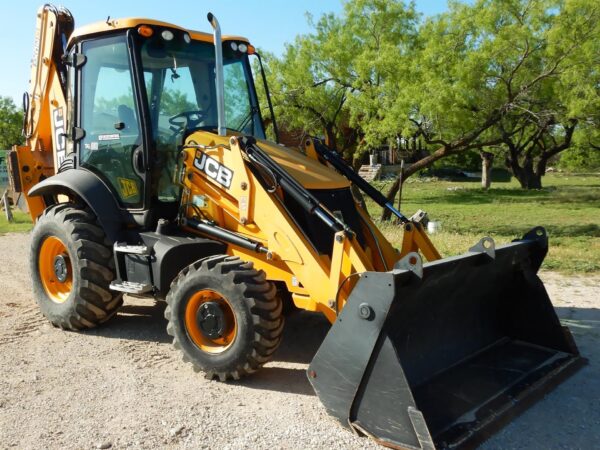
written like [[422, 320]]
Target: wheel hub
[[61, 267], [211, 320]]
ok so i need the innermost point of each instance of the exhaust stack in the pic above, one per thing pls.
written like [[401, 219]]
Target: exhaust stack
[[219, 74]]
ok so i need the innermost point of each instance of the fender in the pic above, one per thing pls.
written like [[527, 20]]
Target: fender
[[92, 191]]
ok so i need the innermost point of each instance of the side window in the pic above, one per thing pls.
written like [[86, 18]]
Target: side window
[[109, 118]]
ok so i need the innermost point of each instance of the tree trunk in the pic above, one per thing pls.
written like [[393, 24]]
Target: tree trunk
[[400, 184], [528, 176], [330, 138], [487, 160], [529, 180], [526, 167]]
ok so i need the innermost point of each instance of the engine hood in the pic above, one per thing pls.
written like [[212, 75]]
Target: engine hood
[[309, 173]]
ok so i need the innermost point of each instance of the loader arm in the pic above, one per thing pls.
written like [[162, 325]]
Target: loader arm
[[251, 207]]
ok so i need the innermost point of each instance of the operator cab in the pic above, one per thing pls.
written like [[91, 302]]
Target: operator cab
[[141, 91]]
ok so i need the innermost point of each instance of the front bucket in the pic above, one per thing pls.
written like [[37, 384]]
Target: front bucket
[[441, 355]]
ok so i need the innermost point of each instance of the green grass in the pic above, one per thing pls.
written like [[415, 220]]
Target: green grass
[[21, 223], [568, 207]]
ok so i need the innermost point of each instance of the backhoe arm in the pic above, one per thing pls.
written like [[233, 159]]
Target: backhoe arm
[[45, 107]]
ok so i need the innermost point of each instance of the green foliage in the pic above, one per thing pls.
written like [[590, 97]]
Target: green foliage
[[327, 82], [11, 121], [561, 108], [237, 103], [580, 159], [172, 101]]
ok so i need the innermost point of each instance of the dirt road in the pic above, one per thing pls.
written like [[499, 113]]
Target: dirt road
[[124, 386]]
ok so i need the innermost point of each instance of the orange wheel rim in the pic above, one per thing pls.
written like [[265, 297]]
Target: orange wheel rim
[[210, 321], [55, 269]]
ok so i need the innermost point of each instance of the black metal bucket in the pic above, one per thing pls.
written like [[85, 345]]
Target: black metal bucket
[[441, 358]]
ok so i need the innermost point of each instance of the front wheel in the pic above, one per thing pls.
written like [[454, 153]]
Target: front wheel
[[224, 316], [71, 265]]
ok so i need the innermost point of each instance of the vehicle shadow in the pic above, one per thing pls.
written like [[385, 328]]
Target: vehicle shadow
[[144, 320], [278, 379], [141, 321]]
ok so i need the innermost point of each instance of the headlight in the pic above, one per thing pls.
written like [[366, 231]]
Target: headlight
[[187, 38], [234, 46], [243, 48]]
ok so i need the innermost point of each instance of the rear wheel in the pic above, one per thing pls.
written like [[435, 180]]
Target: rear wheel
[[224, 316], [72, 266]]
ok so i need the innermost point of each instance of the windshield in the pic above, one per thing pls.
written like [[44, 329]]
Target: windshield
[[180, 85]]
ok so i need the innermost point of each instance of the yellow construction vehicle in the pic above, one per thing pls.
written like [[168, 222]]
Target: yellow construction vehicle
[[147, 172]]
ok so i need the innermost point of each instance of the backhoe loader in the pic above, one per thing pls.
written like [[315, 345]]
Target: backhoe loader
[[147, 172]]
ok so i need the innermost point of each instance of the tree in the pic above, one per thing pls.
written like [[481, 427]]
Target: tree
[[564, 107], [328, 82], [581, 158], [303, 96], [11, 122], [529, 150]]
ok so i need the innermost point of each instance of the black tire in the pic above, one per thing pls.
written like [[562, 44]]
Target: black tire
[[89, 301], [252, 301]]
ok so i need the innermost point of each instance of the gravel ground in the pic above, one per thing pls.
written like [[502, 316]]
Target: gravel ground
[[124, 386]]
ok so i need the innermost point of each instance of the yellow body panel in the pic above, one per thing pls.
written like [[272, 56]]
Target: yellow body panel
[[310, 173]]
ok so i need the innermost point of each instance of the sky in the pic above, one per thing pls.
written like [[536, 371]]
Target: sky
[[268, 24]]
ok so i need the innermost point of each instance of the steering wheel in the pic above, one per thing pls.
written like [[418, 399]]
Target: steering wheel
[[191, 119]]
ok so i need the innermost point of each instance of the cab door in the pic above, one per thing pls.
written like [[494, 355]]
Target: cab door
[[112, 146]]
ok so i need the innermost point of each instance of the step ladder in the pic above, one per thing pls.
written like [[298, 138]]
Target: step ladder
[[132, 261]]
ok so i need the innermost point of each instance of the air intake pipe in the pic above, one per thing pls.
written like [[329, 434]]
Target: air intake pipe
[[219, 74]]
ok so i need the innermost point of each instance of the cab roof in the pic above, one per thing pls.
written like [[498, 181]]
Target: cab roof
[[133, 22]]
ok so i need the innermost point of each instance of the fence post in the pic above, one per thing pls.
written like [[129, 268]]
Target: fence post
[[400, 183], [9, 216]]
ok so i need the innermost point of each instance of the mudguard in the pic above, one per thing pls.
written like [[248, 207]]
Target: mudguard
[[439, 355], [91, 190]]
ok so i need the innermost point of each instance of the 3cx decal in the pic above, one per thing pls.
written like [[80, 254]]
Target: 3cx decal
[[60, 142], [214, 169]]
